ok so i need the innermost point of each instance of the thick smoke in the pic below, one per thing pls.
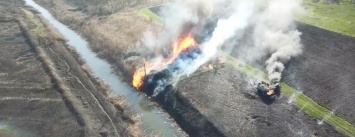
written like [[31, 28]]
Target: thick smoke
[[183, 16], [275, 34], [178, 17], [225, 29]]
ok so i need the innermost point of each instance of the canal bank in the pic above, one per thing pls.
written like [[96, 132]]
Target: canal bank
[[153, 119]]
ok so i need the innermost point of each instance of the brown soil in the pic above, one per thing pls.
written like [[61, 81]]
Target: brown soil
[[325, 71], [27, 94], [42, 86], [230, 103]]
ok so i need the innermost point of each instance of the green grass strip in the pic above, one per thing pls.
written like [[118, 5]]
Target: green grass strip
[[149, 14], [39, 30]]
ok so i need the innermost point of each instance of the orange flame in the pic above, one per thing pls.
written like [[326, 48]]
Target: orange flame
[[180, 45], [140, 73], [270, 92]]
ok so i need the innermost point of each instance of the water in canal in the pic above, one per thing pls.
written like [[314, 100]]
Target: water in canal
[[153, 119]]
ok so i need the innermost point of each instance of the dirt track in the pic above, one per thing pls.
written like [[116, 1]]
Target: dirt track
[[43, 90]]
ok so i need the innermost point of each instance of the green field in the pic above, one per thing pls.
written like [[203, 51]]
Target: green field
[[302, 101], [334, 17]]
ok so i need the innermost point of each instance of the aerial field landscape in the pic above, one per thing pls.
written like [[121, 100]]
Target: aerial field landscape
[[215, 68]]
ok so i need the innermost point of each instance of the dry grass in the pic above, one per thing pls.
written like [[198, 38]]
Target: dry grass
[[43, 30], [120, 31], [38, 30], [50, 68], [117, 101], [111, 37], [102, 86], [106, 7], [62, 13], [54, 34], [117, 35], [135, 126]]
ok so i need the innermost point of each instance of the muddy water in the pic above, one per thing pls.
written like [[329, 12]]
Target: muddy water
[[153, 120]]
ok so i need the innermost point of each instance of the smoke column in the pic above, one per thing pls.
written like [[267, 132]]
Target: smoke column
[[275, 34], [225, 30], [235, 21], [176, 15], [196, 11]]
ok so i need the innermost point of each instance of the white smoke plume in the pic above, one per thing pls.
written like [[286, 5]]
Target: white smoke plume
[[194, 14], [176, 15], [275, 34], [181, 12], [225, 29]]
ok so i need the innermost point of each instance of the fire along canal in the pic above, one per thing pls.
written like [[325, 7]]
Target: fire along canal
[[153, 120]]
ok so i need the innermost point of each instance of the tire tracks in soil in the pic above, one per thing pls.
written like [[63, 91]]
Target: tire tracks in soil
[[92, 95]]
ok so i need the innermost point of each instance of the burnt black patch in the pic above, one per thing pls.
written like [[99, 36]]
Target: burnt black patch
[[157, 81]]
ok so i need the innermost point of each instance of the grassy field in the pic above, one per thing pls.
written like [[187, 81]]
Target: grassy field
[[302, 101], [334, 17], [149, 14]]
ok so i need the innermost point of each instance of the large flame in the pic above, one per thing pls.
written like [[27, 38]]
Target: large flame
[[179, 46]]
